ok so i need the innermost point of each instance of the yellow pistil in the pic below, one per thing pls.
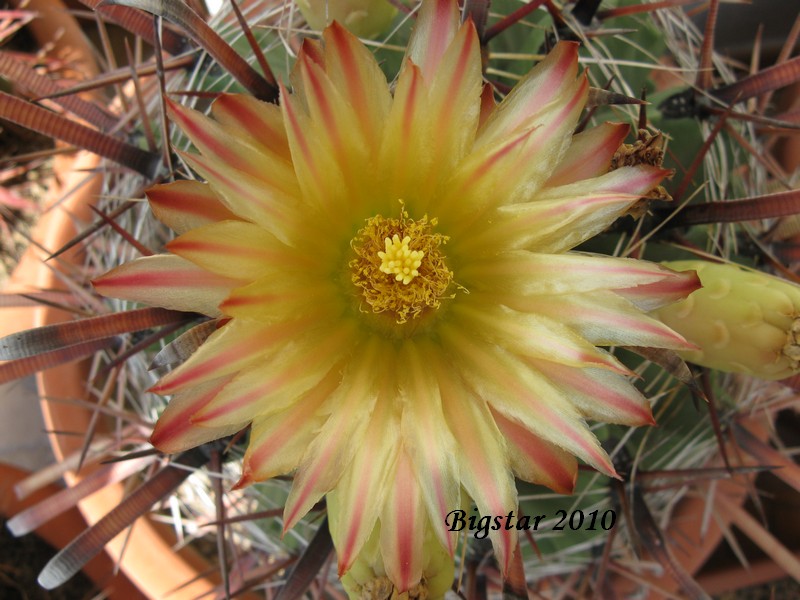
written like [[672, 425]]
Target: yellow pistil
[[399, 267], [400, 260]]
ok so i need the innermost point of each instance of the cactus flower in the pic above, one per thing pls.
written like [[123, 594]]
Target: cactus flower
[[401, 314], [742, 321]]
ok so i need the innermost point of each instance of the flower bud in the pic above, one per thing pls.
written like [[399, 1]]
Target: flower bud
[[367, 579], [743, 321], [364, 18]]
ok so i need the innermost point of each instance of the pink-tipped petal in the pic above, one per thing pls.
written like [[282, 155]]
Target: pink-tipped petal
[[231, 348], [535, 460], [237, 247], [546, 82], [605, 319], [356, 503], [184, 205], [405, 158], [279, 442], [599, 395], [313, 49], [483, 461], [589, 154], [247, 117], [530, 273], [216, 142], [532, 335], [167, 281], [428, 441], [558, 219], [672, 287], [488, 104], [339, 144], [455, 91], [524, 396], [321, 181], [279, 379], [401, 542], [251, 198], [524, 171], [338, 440], [355, 73], [437, 24], [174, 430]]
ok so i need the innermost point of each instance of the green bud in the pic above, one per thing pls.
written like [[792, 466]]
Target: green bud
[[364, 18], [742, 321], [367, 580]]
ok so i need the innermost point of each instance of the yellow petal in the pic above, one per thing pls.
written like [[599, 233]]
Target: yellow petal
[[278, 442], [482, 457], [338, 440], [236, 247], [184, 205], [427, 439], [356, 503], [174, 430], [167, 281], [279, 379]]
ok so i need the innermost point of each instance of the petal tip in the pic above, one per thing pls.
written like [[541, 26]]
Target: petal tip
[[245, 480]]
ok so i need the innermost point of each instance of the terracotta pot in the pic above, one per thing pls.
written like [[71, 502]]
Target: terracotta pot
[[149, 559], [61, 530]]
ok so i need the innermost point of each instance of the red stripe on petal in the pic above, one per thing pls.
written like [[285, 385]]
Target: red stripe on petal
[[405, 535], [269, 447], [552, 77], [402, 528], [435, 28], [227, 408], [317, 94], [290, 115], [192, 123], [558, 468], [568, 113], [589, 154], [487, 165], [175, 277], [184, 205], [348, 552], [187, 376], [673, 287], [177, 246], [298, 508], [467, 48], [591, 385], [260, 121], [411, 106], [228, 350], [487, 104], [341, 40], [311, 50], [175, 424]]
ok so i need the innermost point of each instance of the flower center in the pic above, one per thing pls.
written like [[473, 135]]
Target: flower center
[[399, 268]]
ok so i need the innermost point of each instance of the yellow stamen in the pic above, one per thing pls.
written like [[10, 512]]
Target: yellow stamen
[[400, 260], [399, 267]]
